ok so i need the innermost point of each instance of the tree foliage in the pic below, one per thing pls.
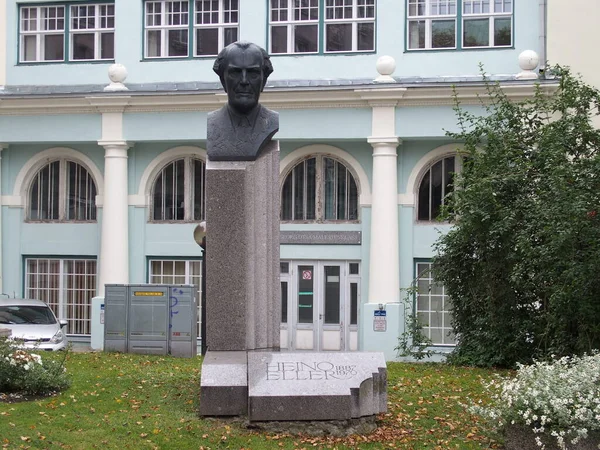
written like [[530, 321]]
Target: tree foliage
[[522, 263]]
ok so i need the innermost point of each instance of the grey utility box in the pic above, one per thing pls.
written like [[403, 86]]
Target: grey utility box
[[148, 324], [184, 321], [151, 319], [116, 306]]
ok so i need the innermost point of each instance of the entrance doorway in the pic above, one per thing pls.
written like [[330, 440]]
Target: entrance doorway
[[319, 305]]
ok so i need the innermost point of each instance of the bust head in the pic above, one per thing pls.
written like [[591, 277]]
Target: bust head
[[243, 68]]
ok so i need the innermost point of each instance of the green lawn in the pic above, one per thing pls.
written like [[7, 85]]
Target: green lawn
[[138, 401]]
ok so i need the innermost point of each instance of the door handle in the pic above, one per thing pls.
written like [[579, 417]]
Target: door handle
[[320, 316]]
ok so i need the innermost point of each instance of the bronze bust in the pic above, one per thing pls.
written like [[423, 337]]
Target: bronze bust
[[239, 130]]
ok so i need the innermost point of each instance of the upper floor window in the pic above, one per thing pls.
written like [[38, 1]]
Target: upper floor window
[[90, 29], [174, 28], [92, 32], [436, 184], [432, 24], [178, 191], [348, 26], [319, 189], [62, 191]]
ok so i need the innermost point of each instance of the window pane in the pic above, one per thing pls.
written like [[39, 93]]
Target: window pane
[[299, 192], [29, 48], [329, 199], [230, 36], [278, 39], [53, 47], [286, 199], [423, 212], [341, 192], [284, 267], [476, 33], [339, 37], [305, 294], [436, 189], [81, 193], [354, 268], [178, 43], [353, 303], [154, 43], [416, 34], [366, 36], [448, 176], [353, 200], [305, 38], [284, 301], [198, 189], [311, 188], [107, 46], [502, 31], [332, 294], [207, 41], [83, 46], [443, 34]]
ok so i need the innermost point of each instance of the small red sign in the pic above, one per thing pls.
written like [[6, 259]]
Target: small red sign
[[306, 275]]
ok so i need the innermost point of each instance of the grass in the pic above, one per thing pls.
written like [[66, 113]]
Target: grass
[[146, 402]]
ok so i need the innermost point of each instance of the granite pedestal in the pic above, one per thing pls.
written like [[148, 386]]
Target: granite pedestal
[[278, 386]]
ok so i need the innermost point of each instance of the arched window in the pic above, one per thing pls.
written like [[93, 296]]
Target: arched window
[[436, 184], [178, 191], [319, 189], [62, 190]]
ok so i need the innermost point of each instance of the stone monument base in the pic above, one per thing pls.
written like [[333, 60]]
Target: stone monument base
[[278, 386]]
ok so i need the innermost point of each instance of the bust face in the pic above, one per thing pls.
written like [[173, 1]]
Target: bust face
[[243, 78]]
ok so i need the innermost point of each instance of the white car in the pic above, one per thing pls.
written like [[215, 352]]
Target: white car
[[32, 323]]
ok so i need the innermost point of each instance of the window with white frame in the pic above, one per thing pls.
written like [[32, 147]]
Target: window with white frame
[[487, 23], [169, 32], [62, 190], [169, 271], [437, 182], [432, 24], [42, 33], [90, 27], [66, 285], [167, 29], [294, 26], [178, 191], [433, 307], [92, 33], [349, 26], [319, 189], [215, 25]]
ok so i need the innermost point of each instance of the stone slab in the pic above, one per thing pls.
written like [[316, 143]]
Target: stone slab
[[315, 386], [224, 384]]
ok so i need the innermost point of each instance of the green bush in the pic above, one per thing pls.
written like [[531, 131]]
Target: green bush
[[25, 372], [521, 263]]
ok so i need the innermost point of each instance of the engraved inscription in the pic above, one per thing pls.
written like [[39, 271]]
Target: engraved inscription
[[323, 370]]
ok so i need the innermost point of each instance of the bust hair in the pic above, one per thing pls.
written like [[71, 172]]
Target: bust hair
[[222, 60]]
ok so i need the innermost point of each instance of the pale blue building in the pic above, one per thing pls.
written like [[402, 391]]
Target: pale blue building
[[107, 186]]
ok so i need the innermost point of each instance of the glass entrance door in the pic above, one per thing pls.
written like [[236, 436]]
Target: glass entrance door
[[319, 305]]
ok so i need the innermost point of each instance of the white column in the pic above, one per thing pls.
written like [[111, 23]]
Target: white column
[[114, 246], [384, 268], [2, 147]]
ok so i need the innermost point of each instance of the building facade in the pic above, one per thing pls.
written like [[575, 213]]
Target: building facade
[[107, 186]]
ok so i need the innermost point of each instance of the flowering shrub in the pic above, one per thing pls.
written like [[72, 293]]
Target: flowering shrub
[[560, 398], [25, 372]]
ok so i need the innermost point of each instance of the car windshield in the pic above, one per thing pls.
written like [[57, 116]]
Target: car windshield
[[17, 315]]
